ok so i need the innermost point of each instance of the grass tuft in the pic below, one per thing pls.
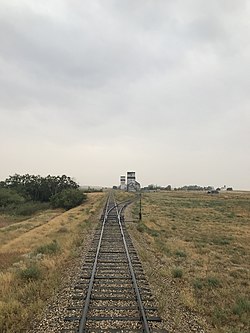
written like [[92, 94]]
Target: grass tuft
[[198, 284], [141, 227], [177, 273], [212, 281], [222, 240], [50, 248], [241, 306], [30, 273], [219, 316], [181, 254]]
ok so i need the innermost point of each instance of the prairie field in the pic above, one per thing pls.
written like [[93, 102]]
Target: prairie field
[[195, 249], [35, 254]]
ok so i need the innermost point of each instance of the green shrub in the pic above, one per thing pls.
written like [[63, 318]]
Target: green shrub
[[31, 207], [50, 248], [68, 199], [209, 281], [30, 273], [177, 272], [153, 233], [140, 227], [222, 240], [180, 253], [10, 197], [213, 282], [198, 284]]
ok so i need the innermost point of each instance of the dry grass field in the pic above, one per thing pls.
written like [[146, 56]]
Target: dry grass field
[[34, 255], [195, 249]]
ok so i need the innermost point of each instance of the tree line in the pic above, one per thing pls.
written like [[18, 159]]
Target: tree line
[[59, 191]]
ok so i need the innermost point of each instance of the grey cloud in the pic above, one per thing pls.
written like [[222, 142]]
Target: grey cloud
[[163, 77]]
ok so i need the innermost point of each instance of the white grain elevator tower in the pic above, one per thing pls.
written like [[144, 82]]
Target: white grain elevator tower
[[132, 184], [123, 182]]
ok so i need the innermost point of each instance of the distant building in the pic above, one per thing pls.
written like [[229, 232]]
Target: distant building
[[123, 183], [213, 191], [132, 184], [130, 177]]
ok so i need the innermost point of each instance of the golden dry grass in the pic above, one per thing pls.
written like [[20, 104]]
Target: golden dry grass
[[201, 244], [14, 229], [33, 255]]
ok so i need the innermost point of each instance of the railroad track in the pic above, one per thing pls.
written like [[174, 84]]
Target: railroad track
[[112, 294]]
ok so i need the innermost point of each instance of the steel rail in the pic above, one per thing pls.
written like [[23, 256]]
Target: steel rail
[[82, 323], [136, 288], [83, 320]]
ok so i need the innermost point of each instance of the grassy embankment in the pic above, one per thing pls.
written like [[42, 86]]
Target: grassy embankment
[[198, 245], [34, 253]]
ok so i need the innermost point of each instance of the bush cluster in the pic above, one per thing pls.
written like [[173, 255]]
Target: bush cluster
[[26, 194], [68, 199], [9, 197]]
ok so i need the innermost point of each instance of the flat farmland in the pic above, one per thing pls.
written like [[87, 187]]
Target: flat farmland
[[195, 249]]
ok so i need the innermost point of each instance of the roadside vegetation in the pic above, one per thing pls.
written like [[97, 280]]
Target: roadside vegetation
[[24, 195], [195, 249], [36, 252]]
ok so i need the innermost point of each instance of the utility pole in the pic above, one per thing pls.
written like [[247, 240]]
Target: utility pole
[[140, 208]]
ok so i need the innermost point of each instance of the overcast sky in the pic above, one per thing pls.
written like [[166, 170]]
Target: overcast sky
[[95, 88]]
